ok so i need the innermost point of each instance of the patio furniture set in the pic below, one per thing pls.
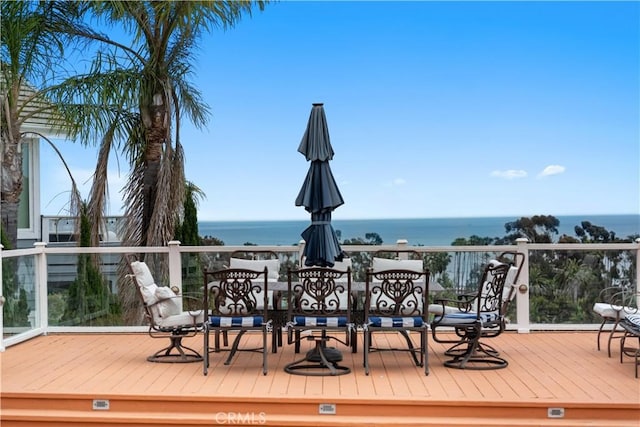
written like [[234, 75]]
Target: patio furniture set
[[320, 304]]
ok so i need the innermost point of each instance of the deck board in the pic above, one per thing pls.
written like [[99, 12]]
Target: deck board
[[546, 369]]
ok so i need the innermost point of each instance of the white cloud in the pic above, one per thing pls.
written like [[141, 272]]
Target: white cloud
[[509, 174], [394, 183], [551, 170]]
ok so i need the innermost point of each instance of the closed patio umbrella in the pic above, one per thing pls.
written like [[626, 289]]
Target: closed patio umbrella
[[319, 193]]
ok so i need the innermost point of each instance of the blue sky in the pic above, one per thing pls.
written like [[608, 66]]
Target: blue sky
[[435, 109]]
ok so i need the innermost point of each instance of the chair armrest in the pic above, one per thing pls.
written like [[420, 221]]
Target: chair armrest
[[462, 302]]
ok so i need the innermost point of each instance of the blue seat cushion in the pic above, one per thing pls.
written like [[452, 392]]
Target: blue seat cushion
[[463, 318], [236, 321], [336, 321], [395, 322]]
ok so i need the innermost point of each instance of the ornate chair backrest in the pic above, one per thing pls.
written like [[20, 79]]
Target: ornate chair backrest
[[397, 284], [236, 292], [319, 291], [491, 291], [397, 292]]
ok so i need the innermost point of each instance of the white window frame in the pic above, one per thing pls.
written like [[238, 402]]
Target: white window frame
[[33, 190]]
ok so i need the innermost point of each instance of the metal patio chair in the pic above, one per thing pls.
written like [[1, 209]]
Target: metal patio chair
[[319, 302], [236, 301], [164, 315], [396, 300], [478, 316]]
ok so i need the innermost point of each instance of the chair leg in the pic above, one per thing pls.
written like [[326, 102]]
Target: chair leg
[[424, 348], [234, 348], [613, 335], [175, 352], [412, 349], [365, 350], [476, 356], [296, 345], [264, 350], [354, 340], [205, 359], [604, 321], [216, 342]]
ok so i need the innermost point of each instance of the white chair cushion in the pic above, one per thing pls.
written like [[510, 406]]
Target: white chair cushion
[[273, 266], [142, 273], [611, 311], [181, 319], [168, 307], [342, 265], [145, 281], [383, 264], [437, 309], [149, 294], [509, 284]]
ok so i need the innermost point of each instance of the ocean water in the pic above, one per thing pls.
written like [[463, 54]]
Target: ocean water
[[427, 231]]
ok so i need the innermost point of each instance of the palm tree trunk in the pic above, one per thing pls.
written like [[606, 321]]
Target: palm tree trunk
[[11, 185]]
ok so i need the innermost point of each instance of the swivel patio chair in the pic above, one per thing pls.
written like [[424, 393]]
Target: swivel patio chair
[[164, 315], [344, 266], [396, 300], [236, 301], [510, 290], [479, 316], [319, 302]]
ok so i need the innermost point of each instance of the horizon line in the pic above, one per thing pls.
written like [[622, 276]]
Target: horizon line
[[420, 218]]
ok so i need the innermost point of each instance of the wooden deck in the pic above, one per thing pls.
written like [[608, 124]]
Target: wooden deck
[[54, 380]]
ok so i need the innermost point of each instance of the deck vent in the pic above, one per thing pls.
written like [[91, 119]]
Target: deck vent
[[327, 409], [555, 412], [100, 405]]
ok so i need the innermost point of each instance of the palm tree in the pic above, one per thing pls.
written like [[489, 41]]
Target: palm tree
[[147, 89], [32, 45], [143, 90]]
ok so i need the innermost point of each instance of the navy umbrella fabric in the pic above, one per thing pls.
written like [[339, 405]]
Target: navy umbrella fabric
[[319, 193]]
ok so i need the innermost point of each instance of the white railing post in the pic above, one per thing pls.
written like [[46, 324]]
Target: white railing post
[[175, 267], [402, 245], [300, 252], [522, 299], [42, 304]]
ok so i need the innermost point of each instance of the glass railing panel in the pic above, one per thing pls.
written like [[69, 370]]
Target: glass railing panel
[[94, 290], [19, 312], [564, 284]]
